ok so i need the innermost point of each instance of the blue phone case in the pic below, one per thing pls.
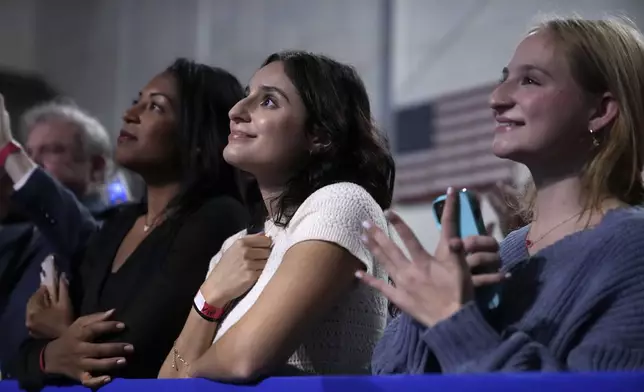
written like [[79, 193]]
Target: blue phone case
[[470, 223], [470, 220]]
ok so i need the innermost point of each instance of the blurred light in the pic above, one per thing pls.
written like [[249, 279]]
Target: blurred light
[[117, 190]]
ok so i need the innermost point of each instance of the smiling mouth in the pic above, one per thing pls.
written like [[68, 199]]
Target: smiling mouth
[[504, 126], [235, 135]]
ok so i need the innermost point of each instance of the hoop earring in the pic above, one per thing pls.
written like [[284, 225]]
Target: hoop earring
[[593, 135]]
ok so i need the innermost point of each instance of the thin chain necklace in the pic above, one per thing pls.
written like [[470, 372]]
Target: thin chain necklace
[[529, 244], [155, 222]]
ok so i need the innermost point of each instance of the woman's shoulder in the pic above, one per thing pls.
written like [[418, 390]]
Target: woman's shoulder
[[626, 220], [335, 214], [616, 249], [341, 189], [343, 198], [620, 233]]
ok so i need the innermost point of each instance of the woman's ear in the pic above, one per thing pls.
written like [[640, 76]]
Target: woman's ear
[[605, 113], [319, 143]]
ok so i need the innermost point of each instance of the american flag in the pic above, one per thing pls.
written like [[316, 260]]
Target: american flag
[[447, 142]]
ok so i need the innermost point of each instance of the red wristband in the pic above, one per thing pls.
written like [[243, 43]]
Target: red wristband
[[207, 311], [42, 359], [10, 148]]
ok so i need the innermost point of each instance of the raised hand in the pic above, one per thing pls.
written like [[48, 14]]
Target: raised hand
[[482, 257], [430, 288], [5, 124]]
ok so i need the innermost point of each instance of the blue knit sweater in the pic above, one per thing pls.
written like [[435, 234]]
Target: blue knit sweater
[[577, 305]]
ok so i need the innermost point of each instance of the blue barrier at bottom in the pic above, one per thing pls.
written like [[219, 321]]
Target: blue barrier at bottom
[[524, 382]]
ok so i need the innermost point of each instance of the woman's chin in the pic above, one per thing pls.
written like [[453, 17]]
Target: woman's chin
[[237, 159], [505, 150], [122, 159]]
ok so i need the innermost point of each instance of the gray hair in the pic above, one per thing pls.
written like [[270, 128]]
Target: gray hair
[[93, 136]]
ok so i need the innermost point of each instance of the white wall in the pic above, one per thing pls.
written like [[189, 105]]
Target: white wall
[[242, 33], [101, 52], [442, 46], [17, 34]]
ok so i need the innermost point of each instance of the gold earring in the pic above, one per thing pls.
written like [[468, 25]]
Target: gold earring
[[593, 135]]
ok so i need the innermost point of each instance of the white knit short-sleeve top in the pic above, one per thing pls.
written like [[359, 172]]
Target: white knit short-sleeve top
[[343, 342]]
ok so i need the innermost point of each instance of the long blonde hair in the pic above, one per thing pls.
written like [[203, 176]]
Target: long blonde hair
[[605, 56]]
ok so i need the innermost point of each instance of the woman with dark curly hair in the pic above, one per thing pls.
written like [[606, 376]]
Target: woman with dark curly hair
[[288, 296]]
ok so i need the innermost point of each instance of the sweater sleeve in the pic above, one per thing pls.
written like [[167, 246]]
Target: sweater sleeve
[[467, 343], [606, 335], [401, 349]]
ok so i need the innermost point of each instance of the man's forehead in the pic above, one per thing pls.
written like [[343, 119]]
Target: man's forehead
[[53, 130]]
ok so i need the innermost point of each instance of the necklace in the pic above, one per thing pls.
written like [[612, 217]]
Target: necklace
[[529, 244], [149, 226]]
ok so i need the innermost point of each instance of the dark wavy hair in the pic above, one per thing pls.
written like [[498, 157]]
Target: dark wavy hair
[[338, 114], [206, 94]]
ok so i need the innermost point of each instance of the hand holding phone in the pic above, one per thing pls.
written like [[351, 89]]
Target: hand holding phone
[[470, 223], [49, 275]]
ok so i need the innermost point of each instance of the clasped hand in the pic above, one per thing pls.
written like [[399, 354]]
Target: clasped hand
[[49, 311], [76, 355], [238, 269]]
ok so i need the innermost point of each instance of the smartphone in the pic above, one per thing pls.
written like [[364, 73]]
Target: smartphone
[[469, 214], [470, 223], [49, 273]]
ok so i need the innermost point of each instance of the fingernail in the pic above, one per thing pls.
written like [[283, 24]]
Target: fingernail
[[129, 347], [109, 312], [359, 274], [120, 361], [364, 238], [120, 325], [366, 225], [106, 379], [450, 190], [508, 275]]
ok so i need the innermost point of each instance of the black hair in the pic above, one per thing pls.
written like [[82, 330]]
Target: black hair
[[339, 115], [206, 95]]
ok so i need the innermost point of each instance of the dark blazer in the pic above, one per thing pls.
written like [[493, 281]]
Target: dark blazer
[[152, 292], [23, 247]]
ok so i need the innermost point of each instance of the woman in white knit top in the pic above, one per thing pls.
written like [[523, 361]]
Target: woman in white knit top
[[288, 295]]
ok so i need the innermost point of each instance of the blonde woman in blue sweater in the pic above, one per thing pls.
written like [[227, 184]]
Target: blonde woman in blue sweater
[[570, 106]]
